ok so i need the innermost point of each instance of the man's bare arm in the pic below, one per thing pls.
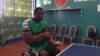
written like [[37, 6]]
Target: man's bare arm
[[29, 38]]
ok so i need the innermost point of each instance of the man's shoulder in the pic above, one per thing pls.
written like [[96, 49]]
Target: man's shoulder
[[27, 20], [25, 24]]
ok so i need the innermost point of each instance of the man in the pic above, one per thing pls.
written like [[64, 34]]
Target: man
[[36, 36]]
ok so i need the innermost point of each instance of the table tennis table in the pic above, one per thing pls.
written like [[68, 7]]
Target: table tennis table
[[80, 50]]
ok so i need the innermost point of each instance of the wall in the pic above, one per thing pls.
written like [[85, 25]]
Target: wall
[[88, 16]]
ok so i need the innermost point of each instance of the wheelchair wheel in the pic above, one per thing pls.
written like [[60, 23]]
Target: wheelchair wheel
[[28, 53], [25, 54]]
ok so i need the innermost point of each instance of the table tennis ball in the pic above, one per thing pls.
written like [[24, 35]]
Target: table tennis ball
[[57, 41]]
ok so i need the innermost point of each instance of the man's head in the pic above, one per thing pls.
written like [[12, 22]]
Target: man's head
[[38, 14]]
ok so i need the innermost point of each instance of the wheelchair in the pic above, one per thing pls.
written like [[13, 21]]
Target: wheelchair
[[29, 52]]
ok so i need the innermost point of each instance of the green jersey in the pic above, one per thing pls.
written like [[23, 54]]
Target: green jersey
[[36, 28]]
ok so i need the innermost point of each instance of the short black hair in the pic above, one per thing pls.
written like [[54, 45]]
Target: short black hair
[[37, 9]]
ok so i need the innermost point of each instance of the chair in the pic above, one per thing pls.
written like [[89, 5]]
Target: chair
[[97, 42], [71, 34], [52, 30], [62, 33], [90, 34]]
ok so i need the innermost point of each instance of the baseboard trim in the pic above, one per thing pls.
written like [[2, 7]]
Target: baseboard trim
[[13, 40]]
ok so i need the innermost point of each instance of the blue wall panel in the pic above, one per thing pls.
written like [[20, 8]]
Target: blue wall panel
[[89, 15]]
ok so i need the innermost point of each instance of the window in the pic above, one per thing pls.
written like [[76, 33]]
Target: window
[[19, 8], [0, 8], [38, 3]]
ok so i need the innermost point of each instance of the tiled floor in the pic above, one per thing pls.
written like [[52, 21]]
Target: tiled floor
[[13, 49]]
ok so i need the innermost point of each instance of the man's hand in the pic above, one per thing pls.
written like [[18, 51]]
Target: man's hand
[[49, 38], [47, 35]]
